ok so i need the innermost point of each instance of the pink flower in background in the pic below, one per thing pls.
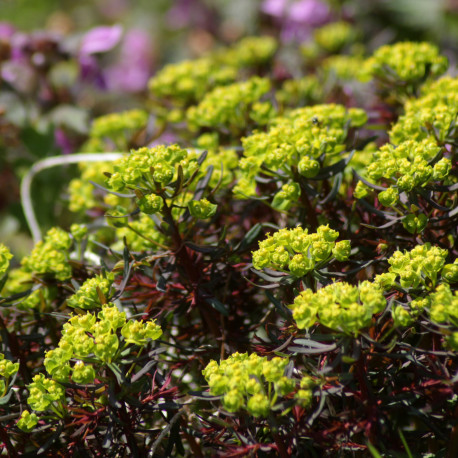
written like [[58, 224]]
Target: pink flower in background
[[6, 30], [166, 138], [132, 68], [134, 65], [275, 8], [297, 17], [100, 39], [62, 141], [97, 40]]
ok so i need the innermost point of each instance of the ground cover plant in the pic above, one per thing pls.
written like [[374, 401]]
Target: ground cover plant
[[258, 262]]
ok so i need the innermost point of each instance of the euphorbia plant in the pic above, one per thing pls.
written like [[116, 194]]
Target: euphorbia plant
[[239, 291]]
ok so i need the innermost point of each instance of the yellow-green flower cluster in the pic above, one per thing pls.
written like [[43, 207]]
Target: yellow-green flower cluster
[[83, 373], [202, 209], [27, 421], [300, 92], [450, 272], [418, 156], [116, 123], [187, 82], [18, 281], [7, 370], [7, 367], [406, 62], [78, 231], [225, 164], [242, 380], [418, 268], [444, 305], [297, 252], [91, 292], [287, 196], [304, 395], [44, 392], [401, 316], [344, 67], [248, 52], [334, 36], [233, 106], [5, 257], [51, 255], [298, 140], [87, 336], [150, 204], [139, 333], [432, 115], [153, 168], [340, 306], [407, 166]]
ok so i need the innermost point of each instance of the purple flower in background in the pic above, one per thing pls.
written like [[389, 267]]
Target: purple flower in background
[[133, 69], [100, 39], [166, 138], [6, 31], [62, 141], [297, 17], [16, 70], [97, 40], [275, 8]]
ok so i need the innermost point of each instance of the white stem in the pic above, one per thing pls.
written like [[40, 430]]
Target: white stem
[[26, 183]]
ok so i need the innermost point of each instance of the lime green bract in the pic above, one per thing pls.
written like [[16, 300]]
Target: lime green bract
[[305, 140], [116, 123], [5, 257], [233, 106], [153, 168], [342, 307], [407, 62], [297, 252], [418, 268], [433, 115], [187, 82], [334, 36], [248, 52], [245, 382], [27, 421], [91, 292], [51, 256]]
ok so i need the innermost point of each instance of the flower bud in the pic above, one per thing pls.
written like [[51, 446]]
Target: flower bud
[[389, 197], [415, 224], [342, 250], [78, 231], [450, 272], [5, 257], [151, 203], [401, 316], [202, 209], [307, 167], [361, 190], [28, 421], [442, 169]]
